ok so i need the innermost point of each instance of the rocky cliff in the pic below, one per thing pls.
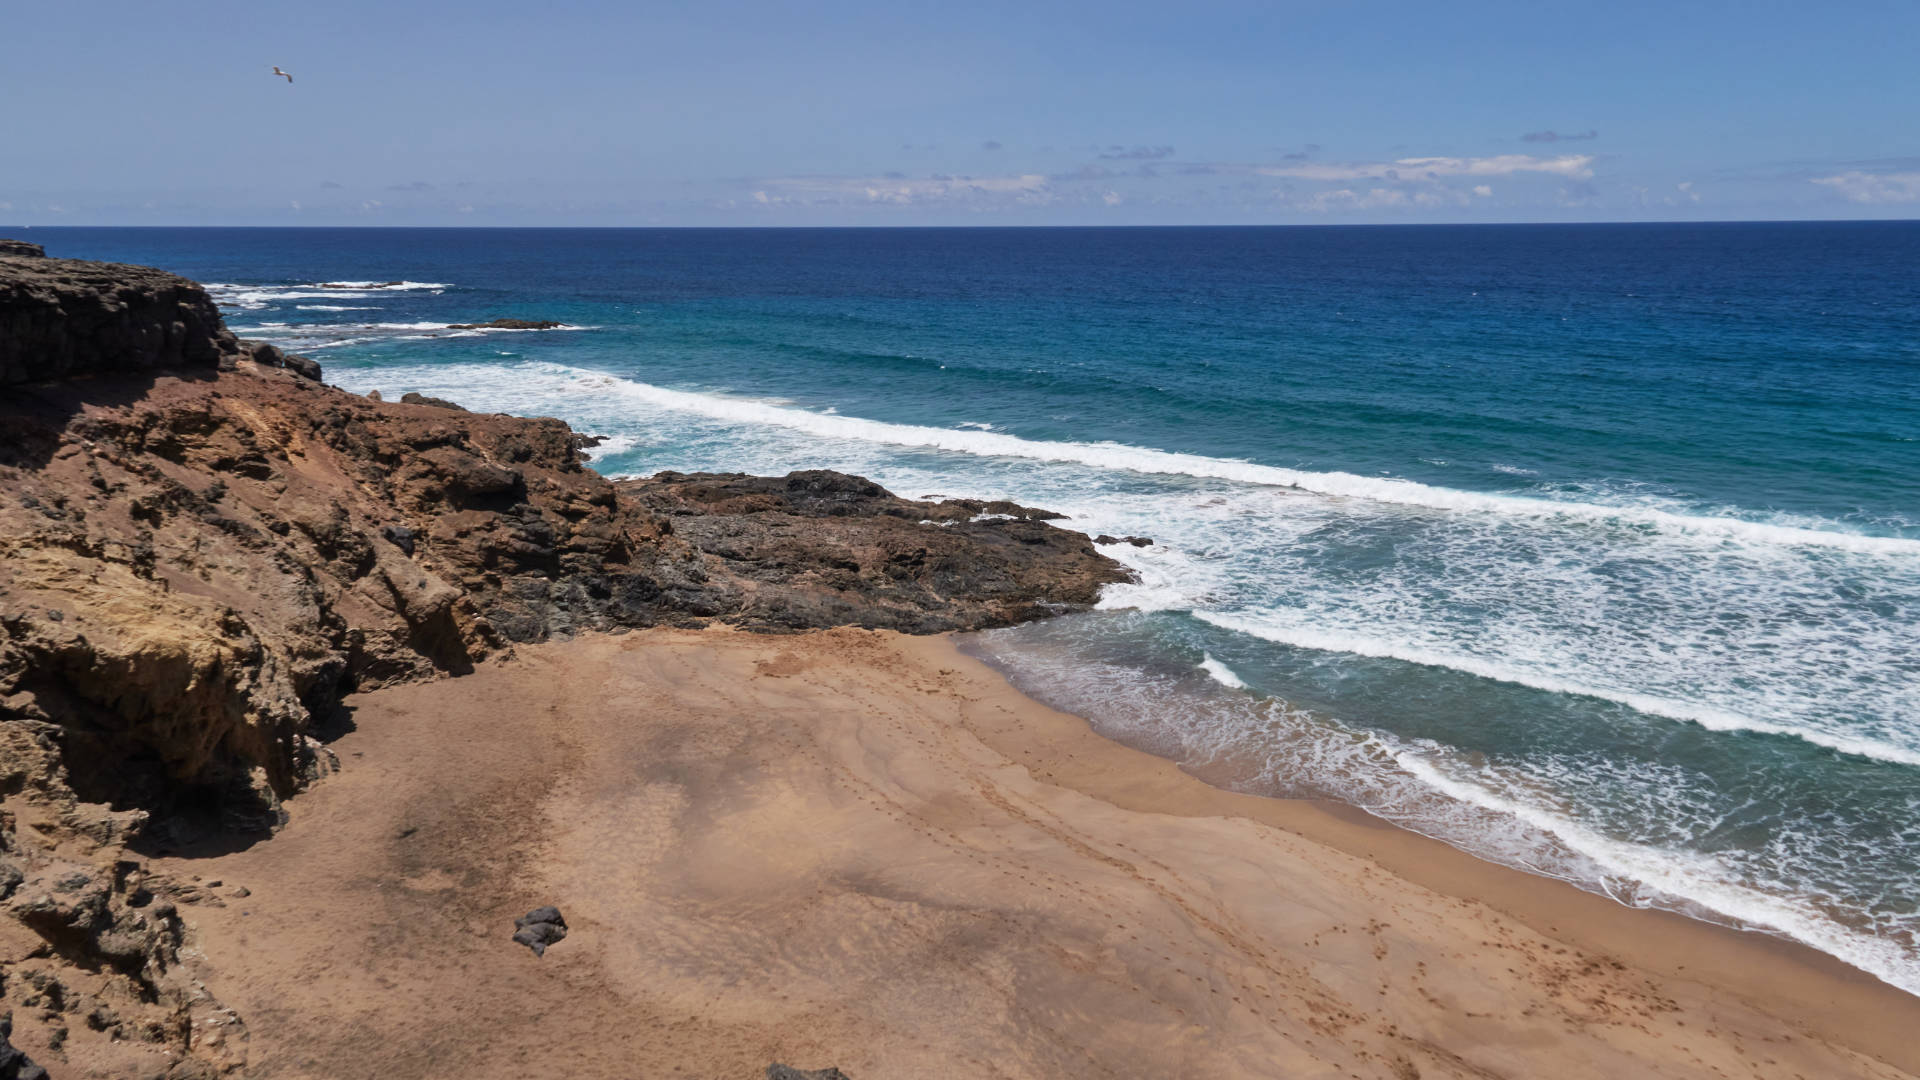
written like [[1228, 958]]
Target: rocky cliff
[[203, 550]]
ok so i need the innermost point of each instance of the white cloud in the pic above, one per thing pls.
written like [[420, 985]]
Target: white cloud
[[1483, 190], [294, 203], [1865, 187], [1111, 198], [1685, 187], [1575, 166], [1027, 188]]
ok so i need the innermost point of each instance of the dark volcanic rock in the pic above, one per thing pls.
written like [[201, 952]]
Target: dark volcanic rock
[[509, 324], [411, 398], [1137, 541], [15, 1065], [64, 317], [20, 249], [540, 928], [270, 356], [823, 548], [777, 1071]]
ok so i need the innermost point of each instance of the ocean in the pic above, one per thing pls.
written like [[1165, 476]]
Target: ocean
[[1592, 550]]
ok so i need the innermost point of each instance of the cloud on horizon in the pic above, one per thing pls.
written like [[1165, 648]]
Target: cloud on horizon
[[1137, 153], [895, 190], [1877, 189], [1572, 166], [1554, 136]]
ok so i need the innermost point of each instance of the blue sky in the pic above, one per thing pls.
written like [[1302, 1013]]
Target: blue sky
[[742, 112]]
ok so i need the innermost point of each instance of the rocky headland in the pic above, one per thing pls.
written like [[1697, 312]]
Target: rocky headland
[[204, 549]]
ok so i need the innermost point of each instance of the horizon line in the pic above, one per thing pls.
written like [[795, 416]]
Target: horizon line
[[903, 228]]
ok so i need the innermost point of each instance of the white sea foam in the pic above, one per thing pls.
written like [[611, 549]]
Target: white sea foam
[[1106, 455], [330, 307], [612, 444], [382, 286], [1221, 673], [255, 297], [1706, 716], [1693, 878]]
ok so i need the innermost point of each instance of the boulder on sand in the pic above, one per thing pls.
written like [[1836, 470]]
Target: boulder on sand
[[540, 928]]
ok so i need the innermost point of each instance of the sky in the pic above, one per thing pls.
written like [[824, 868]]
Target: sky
[[1031, 112]]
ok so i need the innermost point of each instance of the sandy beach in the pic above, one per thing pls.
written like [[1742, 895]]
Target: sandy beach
[[866, 850]]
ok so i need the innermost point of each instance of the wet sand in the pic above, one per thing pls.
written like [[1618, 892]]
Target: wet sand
[[869, 851]]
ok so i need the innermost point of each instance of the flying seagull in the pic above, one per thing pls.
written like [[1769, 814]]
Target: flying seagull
[[282, 74]]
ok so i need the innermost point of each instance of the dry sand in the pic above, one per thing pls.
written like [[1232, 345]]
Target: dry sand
[[866, 850]]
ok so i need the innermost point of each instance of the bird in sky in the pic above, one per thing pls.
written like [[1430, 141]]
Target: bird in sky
[[282, 74]]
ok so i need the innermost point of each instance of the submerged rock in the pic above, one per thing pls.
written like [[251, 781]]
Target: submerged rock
[[540, 928], [509, 324]]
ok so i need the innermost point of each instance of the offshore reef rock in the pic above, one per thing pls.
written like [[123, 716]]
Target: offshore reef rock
[[509, 324]]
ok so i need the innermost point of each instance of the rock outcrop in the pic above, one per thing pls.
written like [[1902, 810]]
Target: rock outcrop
[[63, 317], [203, 549]]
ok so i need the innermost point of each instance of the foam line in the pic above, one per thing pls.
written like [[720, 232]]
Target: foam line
[[1221, 673], [1653, 868], [1108, 455], [1704, 715]]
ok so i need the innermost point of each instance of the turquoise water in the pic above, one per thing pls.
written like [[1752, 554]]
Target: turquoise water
[[1593, 550]]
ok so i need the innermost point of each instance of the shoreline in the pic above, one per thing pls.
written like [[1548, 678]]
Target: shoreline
[[1670, 943], [870, 850]]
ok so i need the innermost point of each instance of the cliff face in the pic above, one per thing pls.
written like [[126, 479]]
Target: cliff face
[[202, 550], [65, 317]]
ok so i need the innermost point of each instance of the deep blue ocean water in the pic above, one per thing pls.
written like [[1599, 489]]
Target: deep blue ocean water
[[1593, 550]]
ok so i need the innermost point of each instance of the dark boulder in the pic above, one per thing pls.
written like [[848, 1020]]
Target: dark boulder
[[411, 398], [540, 928], [1136, 541], [20, 249], [15, 1064], [270, 356]]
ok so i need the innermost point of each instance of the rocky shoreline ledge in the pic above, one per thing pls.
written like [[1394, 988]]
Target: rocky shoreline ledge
[[203, 549]]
